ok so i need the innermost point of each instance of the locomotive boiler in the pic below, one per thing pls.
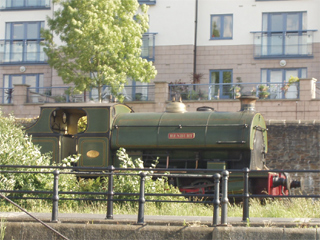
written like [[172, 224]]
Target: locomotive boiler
[[205, 139]]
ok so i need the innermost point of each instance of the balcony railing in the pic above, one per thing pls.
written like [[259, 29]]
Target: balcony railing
[[130, 93], [21, 51], [6, 95], [67, 94], [24, 4], [274, 90], [191, 92], [148, 46], [289, 44]]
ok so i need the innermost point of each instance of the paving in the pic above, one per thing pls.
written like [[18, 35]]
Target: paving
[[96, 226]]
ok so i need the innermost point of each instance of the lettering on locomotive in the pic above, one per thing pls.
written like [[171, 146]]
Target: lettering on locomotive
[[181, 135]]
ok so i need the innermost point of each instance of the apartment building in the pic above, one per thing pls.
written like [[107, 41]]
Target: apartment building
[[225, 41], [230, 40]]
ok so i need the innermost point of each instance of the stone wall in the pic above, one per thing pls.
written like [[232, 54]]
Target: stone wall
[[295, 145]]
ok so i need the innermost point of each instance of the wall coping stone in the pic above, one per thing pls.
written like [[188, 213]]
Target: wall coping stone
[[292, 122]]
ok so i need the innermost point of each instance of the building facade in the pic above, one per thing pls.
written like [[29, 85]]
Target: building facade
[[223, 41], [229, 40]]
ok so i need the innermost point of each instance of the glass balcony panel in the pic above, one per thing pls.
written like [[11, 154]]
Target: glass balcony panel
[[275, 44], [21, 51], [294, 44], [31, 51], [17, 51], [17, 3]]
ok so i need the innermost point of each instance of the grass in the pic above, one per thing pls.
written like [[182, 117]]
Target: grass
[[285, 208], [2, 228]]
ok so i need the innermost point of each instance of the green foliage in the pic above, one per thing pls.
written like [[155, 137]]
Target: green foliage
[[101, 43], [2, 228], [17, 149], [82, 124], [131, 183], [263, 91]]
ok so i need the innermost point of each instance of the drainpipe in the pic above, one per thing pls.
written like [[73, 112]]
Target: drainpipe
[[195, 40]]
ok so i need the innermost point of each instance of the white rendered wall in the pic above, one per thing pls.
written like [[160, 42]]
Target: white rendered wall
[[174, 20]]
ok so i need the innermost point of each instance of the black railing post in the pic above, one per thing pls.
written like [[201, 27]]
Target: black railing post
[[245, 215], [55, 197], [142, 199], [216, 201], [110, 193], [224, 199]]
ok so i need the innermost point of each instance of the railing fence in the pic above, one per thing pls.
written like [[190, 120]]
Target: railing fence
[[219, 198]]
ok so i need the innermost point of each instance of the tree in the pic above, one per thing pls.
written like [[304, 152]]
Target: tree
[[101, 43]]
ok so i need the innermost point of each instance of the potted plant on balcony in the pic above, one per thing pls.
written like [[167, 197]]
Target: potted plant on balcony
[[263, 91], [287, 85], [235, 91], [138, 96]]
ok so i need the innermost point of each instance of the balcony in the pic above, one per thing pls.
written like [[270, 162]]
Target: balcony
[[147, 2], [148, 46], [194, 92], [10, 5], [68, 95], [283, 45], [22, 51]]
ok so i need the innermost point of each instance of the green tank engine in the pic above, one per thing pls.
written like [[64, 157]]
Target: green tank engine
[[205, 139]]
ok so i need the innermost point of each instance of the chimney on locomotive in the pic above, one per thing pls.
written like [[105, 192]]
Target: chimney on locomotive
[[248, 103]]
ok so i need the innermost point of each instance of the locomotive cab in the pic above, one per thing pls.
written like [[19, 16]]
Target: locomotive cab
[[57, 131]]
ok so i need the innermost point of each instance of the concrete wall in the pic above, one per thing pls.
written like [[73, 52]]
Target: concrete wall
[[25, 230]]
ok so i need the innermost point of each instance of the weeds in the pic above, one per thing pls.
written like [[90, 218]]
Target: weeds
[[295, 208], [2, 228]]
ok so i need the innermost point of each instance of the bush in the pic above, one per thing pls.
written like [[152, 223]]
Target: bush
[[18, 149], [131, 183]]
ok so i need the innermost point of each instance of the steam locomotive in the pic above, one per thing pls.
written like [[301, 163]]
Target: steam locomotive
[[205, 139]]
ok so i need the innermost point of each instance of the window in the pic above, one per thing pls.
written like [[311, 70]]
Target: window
[[148, 2], [22, 43], [284, 34], [221, 81], [221, 27], [148, 46], [24, 4], [277, 78], [34, 80]]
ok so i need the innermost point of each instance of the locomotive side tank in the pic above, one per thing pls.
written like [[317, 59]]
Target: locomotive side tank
[[202, 139]]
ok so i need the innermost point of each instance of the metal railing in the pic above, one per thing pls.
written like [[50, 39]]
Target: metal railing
[[68, 94], [216, 91], [219, 198], [6, 95]]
